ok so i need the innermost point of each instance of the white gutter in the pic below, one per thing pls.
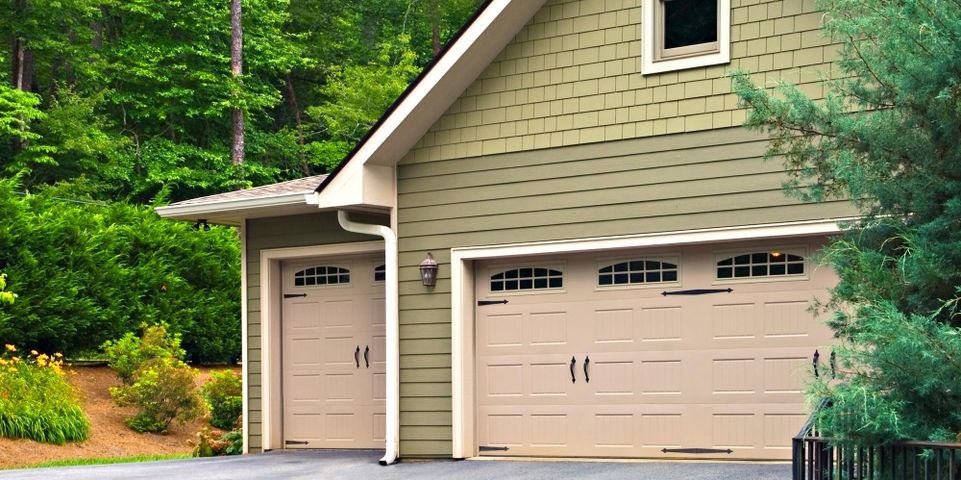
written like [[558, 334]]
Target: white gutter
[[392, 449]]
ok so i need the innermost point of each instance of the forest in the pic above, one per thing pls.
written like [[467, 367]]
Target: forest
[[109, 108]]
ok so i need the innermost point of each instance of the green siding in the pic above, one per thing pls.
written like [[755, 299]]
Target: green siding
[[282, 232], [679, 182]]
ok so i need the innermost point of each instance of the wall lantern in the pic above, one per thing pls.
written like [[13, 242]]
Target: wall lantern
[[428, 271]]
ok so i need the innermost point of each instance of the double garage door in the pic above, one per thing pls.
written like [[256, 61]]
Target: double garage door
[[699, 351]]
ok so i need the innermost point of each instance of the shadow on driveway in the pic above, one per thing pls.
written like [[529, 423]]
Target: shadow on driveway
[[362, 465]]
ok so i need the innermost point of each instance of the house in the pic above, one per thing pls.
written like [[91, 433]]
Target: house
[[620, 274]]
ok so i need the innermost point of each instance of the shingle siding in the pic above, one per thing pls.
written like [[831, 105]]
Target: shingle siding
[[572, 76]]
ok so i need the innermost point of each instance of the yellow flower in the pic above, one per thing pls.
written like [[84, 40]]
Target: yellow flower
[[33, 352], [14, 370], [10, 348], [58, 355]]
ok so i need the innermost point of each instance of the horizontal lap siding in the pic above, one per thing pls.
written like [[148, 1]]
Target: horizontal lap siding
[[721, 181], [281, 232]]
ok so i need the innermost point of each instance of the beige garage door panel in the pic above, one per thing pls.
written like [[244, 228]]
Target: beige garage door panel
[[718, 371], [328, 401]]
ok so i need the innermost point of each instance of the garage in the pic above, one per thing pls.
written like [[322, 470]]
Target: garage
[[333, 327], [699, 351]]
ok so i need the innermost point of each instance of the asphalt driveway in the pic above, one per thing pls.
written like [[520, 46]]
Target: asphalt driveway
[[362, 465]]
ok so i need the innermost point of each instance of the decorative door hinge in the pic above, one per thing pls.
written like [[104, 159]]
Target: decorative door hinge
[[481, 303], [294, 295], [697, 450], [488, 448], [699, 291], [296, 442]]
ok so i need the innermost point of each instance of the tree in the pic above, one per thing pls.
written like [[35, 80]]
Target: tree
[[885, 137], [237, 71]]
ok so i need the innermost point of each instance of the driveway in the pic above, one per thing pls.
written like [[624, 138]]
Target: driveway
[[362, 465]]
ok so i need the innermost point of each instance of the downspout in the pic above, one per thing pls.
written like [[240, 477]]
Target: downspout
[[393, 329]]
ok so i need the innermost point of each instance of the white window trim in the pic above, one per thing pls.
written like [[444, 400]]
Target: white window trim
[[722, 56], [462, 265]]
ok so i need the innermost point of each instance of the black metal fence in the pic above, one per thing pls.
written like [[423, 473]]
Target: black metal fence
[[817, 458]]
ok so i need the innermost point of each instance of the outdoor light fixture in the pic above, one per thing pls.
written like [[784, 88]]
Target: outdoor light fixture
[[202, 223], [428, 271]]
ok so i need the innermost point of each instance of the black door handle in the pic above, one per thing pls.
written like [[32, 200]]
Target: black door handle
[[587, 361], [366, 353], [356, 357], [573, 362]]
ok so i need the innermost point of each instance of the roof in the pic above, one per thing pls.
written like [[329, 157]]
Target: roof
[[300, 185], [230, 208]]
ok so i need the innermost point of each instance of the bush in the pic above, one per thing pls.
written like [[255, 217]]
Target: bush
[[37, 401], [155, 379], [87, 273], [223, 396], [163, 391], [126, 355], [230, 443]]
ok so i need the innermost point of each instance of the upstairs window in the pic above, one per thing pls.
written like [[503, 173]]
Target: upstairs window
[[682, 34], [322, 275], [637, 272], [380, 273], [526, 279], [760, 264]]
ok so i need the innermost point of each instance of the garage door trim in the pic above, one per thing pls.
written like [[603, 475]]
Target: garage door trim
[[462, 294]]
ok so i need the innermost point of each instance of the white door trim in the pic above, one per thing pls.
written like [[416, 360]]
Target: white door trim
[[462, 294], [270, 335]]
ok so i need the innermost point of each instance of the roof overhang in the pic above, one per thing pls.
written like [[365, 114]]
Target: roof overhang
[[233, 212], [361, 177]]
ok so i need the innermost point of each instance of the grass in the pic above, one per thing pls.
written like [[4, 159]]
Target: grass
[[74, 462]]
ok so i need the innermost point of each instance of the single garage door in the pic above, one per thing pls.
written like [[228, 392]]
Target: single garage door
[[333, 353], [699, 351]]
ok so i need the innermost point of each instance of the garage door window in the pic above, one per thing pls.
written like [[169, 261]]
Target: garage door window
[[637, 272], [380, 273], [322, 275], [526, 279], [760, 265]]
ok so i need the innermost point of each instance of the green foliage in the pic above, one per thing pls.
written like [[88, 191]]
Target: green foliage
[[361, 93], [87, 273], [163, 390], [223, 395], [36, 401], [17, 110], [230, 443], [5, 296], [129, 353], [885, 137]]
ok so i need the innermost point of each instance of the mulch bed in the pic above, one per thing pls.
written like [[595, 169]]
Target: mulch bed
[[109, 436]]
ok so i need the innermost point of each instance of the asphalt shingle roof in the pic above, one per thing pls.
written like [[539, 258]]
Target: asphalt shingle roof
[[301, 185]]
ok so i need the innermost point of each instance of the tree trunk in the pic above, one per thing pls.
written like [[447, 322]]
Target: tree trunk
[[236, 69], [21, 63], [298, 122]]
